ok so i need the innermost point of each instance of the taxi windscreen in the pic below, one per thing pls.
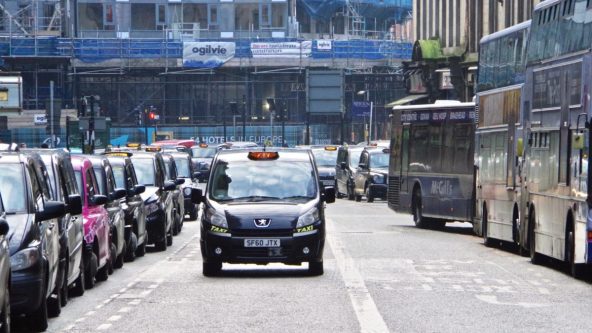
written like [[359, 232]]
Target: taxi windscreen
[[379, 160], [252, 181], [208, 152], [12, 187], [144, 171], [325, 158], [183, 167]]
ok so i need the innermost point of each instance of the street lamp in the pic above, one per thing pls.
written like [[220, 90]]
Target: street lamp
[[367, 93], [271, 105]]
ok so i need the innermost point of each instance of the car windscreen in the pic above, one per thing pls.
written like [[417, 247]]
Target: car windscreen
[[144, 171], [183, 167], [204, 152], [252, 181], [78, 175], [325, 158], [101, 180], [354, 157], [119, 174], [13, 187], [379, 160], [52, 180]]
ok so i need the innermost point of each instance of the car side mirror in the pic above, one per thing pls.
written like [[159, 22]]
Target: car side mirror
[[329, 194], [75, 204], [3, 227], [169, 185], [138, 189], [363, 166], [196, 175], [117, 194], [51, 210], [98, 199], [196, 196], [343, 166], [179, 181]]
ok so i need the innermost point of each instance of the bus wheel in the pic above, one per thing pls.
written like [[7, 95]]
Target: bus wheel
[[486, 239], [418, 218], [576, 270], [535, 258]]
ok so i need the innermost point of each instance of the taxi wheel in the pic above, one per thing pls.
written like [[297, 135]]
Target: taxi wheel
[[64, 293], [161, 245], [119, 260], [315, 268], [369, 196], [175, 227], [89, 278], [54, 304], [193, 215], [211, 268], [350, 193], [169, 237], [131, 248], [112, 258], [358, 197], [38, 318], [141, 250], [79, 289]]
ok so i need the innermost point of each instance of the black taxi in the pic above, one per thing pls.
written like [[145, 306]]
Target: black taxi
[[262, 207]]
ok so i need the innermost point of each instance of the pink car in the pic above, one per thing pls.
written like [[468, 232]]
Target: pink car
[[97, 258]]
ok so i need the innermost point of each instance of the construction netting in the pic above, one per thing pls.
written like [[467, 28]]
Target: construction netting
[[380, 9]]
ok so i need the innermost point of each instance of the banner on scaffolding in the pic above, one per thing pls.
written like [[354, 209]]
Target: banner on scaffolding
[[324, 45], [207, 54], [284, 49]]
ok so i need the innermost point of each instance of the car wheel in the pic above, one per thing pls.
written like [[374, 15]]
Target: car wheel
[[91, 271], [175, 226], [103, 272], [79, 289], [54, 302], [5, 319], [120, 258], [169, 238], [193, 214], [161, 245], [64, 293], [131, 248], [369, 196], [112, 258], [358, 198], [141, 250], [211, 268], [38, 319], [315, 268], [350, 192]]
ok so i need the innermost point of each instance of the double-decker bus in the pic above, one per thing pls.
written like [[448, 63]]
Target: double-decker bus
[[431, 162], [556, 101], [498, 137]]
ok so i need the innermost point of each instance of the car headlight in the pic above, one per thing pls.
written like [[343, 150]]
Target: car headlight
[[308, 218], [151, 207], [24, 259], [378, 179], [187, 191], [216, 218]]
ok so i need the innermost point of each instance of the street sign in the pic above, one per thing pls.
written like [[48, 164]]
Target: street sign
[[361, 109]]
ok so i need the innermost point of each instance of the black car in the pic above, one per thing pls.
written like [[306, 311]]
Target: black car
[[114, 194], [326, 159], [347, 162], [371, 177], [262, 207], [4, 272], [185, 171], [34, 237], [71, 227], [201, 158], [158, 199], [177, 193], [133, 205]]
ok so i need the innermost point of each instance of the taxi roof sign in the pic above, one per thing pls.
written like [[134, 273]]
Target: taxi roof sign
[[203, 145], [330, 148], [263, 155], [154, 149], [133, 145], [118, 153]]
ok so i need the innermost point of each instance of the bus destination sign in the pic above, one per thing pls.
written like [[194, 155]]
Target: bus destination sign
[[437, 116]]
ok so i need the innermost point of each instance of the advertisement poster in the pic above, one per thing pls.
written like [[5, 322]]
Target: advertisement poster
[[207, 54], [285, 49]]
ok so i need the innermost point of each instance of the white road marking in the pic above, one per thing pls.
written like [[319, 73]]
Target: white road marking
[[427, 287], [79, 320], [99, 306], [69, 327], [134, 302], [114, 318], [90, 313], [492, 299], [103, 327], [544, 291], [124, 309], [366, 311]]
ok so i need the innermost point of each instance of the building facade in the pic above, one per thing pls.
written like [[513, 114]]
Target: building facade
[[208, 63], [447, 35]]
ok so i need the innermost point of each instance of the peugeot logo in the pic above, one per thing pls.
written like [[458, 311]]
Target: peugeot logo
[[262, 223]]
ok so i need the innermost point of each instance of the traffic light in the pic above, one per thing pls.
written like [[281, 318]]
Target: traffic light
[[151, 116]]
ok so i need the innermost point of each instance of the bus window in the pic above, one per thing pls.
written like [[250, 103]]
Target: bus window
[[435, 147], [418, 149]]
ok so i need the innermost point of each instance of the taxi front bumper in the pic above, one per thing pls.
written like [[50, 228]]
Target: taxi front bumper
[[300, 247]]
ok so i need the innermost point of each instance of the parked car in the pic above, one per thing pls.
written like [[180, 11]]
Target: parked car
[[177, 193], [4, 272], [371, 177], [34, 239], [244, 219], [326, 159], [185, 171], [97, 242], [133, 205], [347, 163], [201, 159], [114, 194], [158, 200], [63, 183]]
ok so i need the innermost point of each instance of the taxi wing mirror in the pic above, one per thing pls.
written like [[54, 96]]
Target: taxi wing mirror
[[75, 204], [3, 227], [98, 200], [179, 181], [118, 193], [51, 210], [329, 194], [138, 189], [343, 165], [196, 175], [196, 196], [169, 185]]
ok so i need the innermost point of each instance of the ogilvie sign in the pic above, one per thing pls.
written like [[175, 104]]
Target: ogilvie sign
[[207, 54]]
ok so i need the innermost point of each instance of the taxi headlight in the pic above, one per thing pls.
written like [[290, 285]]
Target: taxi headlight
[[24, 259], [378, 179], [187, 191], [308, 218], [217, 219]]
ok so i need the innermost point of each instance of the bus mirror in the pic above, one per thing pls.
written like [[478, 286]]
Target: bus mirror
[[577, 141], [520, 148]]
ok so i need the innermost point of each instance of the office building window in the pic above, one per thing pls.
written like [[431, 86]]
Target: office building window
[[196, 13], [143, 16], [246, 17], [90, 16]]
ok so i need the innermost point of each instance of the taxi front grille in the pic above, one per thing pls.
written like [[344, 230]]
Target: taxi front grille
[[394, 190], [261, 232]]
